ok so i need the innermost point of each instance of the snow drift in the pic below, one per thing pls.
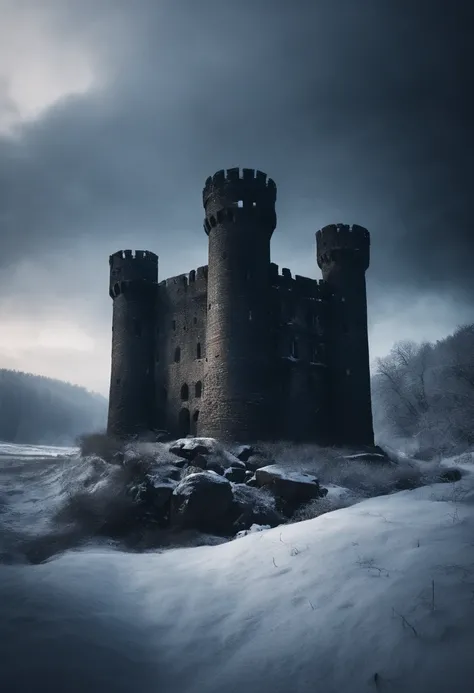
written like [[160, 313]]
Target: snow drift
[[378, 596]]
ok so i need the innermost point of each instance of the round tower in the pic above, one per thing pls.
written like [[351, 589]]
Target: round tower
[[343, 255], [133, 283], [239, 221]]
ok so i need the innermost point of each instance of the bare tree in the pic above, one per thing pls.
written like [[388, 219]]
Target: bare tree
[[426, 392]]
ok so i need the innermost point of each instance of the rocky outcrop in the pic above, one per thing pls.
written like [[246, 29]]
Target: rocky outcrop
[[202, 501], [291, 489]]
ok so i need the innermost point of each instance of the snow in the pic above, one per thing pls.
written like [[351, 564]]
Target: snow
[[378, 596], [253, 528], [192, 443], [185, 486], [279, 472], [363, 455]]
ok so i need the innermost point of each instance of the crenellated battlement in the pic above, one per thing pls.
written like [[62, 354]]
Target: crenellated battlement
[[133, 266], [240, 184], [193, 281], [301, 286], [133, 255], [343, 243]]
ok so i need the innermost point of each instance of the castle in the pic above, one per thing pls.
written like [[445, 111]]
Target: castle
[[237, 350]]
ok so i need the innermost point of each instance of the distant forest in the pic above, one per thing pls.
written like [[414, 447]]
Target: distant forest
[[39, 410], [423, 394]]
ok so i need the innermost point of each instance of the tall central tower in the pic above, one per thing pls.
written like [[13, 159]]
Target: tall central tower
[[239, 221]]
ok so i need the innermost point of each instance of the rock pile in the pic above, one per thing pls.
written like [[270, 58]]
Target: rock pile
[[202, 486]]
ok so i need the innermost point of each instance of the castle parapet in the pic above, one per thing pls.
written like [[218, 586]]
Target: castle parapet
[[193, 282], [301, 287], [342, 242], [132, 266], [240, 184]]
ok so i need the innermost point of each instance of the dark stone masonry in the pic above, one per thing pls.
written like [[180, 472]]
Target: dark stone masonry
[[238, 350]]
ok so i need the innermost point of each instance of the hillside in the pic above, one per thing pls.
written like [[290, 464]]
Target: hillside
[[40, 410], [423, 395], [376, 597]]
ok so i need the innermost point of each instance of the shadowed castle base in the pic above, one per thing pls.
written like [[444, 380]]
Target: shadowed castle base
[[238, 350]]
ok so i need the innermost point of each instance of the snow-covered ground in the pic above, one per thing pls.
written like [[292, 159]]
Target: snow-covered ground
[[378, 596]]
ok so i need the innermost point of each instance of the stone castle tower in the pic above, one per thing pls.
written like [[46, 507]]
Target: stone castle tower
[[237, 350]]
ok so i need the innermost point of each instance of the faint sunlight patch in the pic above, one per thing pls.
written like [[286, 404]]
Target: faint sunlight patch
[[23, 336], [56, 349], [37, 68]]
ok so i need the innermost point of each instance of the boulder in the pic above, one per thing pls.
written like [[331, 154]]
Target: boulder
[[232, 461], [203, 501], [214, 465], [257, 461], [450, 475], [188, 453], [293, 488], [200, 461], [181, 462], [244, 452], [235, 475], [190, 469], [189, 448]]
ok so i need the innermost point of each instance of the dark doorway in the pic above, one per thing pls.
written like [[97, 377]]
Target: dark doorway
[[184, 423]]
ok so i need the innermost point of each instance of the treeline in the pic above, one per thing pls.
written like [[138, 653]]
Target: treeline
[[39, 410], [424, 393]]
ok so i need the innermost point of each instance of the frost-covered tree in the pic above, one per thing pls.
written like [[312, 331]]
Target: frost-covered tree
[[425, 393]]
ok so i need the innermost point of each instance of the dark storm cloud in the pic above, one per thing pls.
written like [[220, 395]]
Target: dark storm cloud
[[359, 110]]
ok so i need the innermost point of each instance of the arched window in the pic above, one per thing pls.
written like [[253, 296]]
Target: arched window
[[198, 350], [198, 389], [294, 348], [184, 392], [177, 355]]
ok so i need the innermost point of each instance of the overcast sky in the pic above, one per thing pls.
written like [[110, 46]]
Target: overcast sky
[[113, 113]]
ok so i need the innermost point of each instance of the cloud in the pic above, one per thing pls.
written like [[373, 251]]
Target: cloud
[[359, 111]]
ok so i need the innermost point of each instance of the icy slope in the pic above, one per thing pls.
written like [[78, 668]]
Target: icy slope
[[375, 597]]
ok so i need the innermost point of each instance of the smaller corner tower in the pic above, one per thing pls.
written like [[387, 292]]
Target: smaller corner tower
[[133, 289], [343, 255], [239, 220]]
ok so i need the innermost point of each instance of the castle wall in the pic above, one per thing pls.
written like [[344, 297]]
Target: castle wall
[[300, 314], [180, 352]]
